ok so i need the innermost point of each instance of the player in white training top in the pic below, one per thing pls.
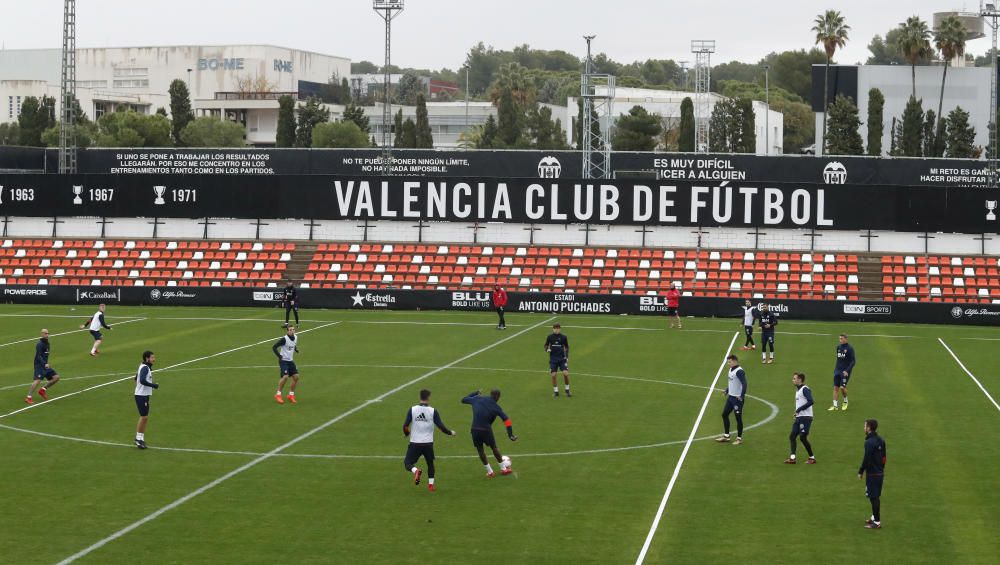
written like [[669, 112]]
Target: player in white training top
[[419, 426], [285, 349], [94, 324]]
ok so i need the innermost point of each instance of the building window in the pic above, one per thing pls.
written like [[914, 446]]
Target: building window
[[131, 83], [131, 71], [92, 83], [100, 108], [18, 113], [10, 111]]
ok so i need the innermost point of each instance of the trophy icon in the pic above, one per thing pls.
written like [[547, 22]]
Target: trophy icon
[[77, 191], [159, 190], [991, 206]]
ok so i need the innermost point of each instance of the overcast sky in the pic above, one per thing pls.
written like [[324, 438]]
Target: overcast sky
[[438, 33]]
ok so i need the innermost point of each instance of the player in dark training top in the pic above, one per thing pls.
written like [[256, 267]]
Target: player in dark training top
[[290, 299], [767, 321], [42, 369], [873, 471], [557, 346], [484, 410], [842, 372]]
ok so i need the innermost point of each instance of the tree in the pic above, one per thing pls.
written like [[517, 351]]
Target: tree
[[636, 131], [180, 108], [357, 115], [831, 31], [513, 78], [911, 129], [253, 86], [876, 127], [10, 133], [424, 136], [408, 88], [792, 70], [960, 135], [344, 133], [126, 128], [928, 134], [685, 142], [336, 91], [286, 122], [844, 138], [397, 129], [309, 115], [545, 133], [949, 38], [508, 120], [488, 138], [363, 68], [745, 127], [722, 125], [85, 134], [408, 139], [36, 116], [914, 44], [213, 132]]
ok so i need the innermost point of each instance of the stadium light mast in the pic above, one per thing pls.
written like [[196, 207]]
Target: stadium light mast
[[598, 93], [990, 14], [702, 49], [67, 94], [387, 9]]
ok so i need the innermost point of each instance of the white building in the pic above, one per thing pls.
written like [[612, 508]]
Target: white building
[[667, 103], [968, 87], [219, 78]]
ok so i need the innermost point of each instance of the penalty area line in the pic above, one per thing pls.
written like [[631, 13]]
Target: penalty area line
[[277, 450], [680, 461]]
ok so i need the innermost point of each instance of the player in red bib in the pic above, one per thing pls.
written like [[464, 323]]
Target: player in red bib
[[499, 302], [673, 305]]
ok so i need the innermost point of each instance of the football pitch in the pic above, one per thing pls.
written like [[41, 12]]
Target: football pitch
[[233, 477]]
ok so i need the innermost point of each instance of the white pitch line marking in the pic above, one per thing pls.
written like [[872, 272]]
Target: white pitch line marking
[[968, 372], [131, 376], [128, 321], [680, 461], [249, 465]]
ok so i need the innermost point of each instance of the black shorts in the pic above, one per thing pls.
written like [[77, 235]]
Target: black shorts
[[97, 334], [802, 425], [558, 365], [768, 337], [142, 403], [733, 404], [417, 450], [748, 330], [873, 486], [292, 307], [43, 373], [672, 310], [839, 379], [483, 437], [288, 368]]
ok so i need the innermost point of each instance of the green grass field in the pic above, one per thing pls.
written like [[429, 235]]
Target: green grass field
[[233, 477]]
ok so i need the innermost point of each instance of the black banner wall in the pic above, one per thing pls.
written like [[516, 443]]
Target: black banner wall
[[557, 304], [550, 201], [512, 164]]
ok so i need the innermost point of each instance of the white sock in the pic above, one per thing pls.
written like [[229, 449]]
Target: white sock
[[845, 399], [488, 468], [763, 356], [772, 355], [835, 403], [414, 470], [430, 481], [278, 393], [555, 389], [140, 437], [291, 393], [93, 349], [567, 388]]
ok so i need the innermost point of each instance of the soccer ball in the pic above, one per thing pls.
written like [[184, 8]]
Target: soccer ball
[[505, 462]]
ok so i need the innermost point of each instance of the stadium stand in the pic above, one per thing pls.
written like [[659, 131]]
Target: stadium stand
[[568, 269], [142, 263], [940, 278]]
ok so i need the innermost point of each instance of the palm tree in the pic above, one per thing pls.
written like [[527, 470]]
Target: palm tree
[[949, 38], [831, 31], [914, 44]]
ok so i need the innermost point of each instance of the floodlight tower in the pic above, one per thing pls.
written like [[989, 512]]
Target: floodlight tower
[[990, 14], [67, 97], [387, 9], [598, 92], [702, 49]]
